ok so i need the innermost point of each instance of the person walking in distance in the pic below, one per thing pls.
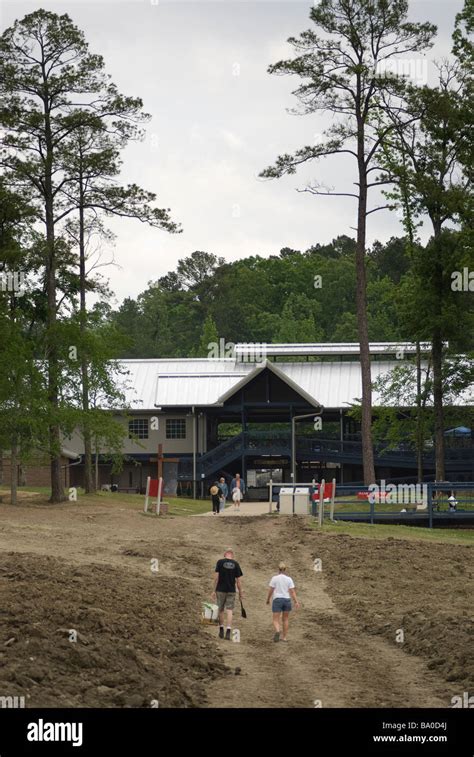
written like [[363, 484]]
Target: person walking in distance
[[215, 493], [226, 579], [224, 492], [237, 488], [282, 589]]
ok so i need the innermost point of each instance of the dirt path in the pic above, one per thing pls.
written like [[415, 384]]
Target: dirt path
[[327, 661], [341, 652]]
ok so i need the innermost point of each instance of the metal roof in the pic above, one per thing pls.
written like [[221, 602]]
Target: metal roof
[[244, 349], [278, 372], [179, 382], [201, 382], [335, 384]]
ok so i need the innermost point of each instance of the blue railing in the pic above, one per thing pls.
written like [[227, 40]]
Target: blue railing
[[326, 450], [427, 504], [422, 504]]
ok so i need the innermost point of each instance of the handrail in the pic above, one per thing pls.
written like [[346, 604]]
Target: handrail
[[224, 445], [279, 443]]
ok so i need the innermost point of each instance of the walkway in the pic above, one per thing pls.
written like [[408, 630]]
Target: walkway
[[246, 508]]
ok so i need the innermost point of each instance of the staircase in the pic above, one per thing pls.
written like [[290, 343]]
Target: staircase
[[221, 455]]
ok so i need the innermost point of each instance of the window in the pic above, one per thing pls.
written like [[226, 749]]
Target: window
[[176, 428], [138, 427]]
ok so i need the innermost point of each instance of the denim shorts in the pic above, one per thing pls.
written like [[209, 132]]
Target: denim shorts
[[280, 604]]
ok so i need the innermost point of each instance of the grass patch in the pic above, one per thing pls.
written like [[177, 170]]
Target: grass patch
[[185, 507], [350, 504], [34, 489], [412, 533], [177, 506]]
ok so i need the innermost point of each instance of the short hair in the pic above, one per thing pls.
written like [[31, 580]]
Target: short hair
[[229, 551], [282, 566]]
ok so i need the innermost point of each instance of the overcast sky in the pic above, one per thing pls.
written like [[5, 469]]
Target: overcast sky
[[218, 119]]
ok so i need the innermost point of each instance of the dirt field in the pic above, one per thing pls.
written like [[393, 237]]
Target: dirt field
[[86, 572]]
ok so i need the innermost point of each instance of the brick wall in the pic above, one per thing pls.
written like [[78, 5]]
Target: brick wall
[[34, 473]]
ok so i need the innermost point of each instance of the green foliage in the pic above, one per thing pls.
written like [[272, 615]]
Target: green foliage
[[265, 300], [22, 391], [209, 337], [64, 124], [426, 300], [298, 324]]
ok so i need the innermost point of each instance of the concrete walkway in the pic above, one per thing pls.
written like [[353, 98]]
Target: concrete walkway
[[246, 508]]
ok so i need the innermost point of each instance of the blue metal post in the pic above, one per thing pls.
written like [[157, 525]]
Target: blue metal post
[[313, 501], [430, 505]]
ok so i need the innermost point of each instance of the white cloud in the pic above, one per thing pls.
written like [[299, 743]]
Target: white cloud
[[231, 139]]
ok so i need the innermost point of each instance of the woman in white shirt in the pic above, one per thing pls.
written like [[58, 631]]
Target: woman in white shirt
[[282, 588]]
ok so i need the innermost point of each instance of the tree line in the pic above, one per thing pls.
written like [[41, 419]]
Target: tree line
[[291, 296]]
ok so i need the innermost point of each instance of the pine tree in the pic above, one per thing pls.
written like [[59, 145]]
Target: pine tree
[[341, 74]]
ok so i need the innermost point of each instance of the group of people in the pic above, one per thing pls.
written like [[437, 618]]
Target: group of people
[[228, 581], [220, 491]]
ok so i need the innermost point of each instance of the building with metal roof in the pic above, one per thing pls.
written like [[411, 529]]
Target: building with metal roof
[[203, 418]]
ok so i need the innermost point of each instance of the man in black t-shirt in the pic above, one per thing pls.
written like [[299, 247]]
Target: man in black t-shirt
[[226, 578]]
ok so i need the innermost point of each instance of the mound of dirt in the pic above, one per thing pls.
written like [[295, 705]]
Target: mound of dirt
[[93, 636], [423, 589]]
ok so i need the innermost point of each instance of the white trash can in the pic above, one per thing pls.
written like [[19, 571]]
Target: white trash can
[[286, 501], [302, 500]]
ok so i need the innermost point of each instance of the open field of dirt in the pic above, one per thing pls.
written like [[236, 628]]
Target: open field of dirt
[[101, 607]]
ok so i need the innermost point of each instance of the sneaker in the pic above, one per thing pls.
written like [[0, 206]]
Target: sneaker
[[227, 634], [277, 636], [221, 632]]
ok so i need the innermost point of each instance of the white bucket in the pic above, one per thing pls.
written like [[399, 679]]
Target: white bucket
[[210, 611]]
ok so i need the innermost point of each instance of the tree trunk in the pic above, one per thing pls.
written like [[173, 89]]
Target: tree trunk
[[57, 489], [96, 466], [14, 471], [419, 417], [437, 355], [89, 486], [362, 325], [88, 478]]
